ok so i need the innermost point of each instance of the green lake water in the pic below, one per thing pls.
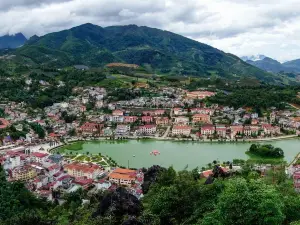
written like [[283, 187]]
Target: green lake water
[[179, 154]]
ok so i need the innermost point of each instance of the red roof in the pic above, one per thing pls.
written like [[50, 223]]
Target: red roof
[[3, 123], [39, 154], [182, 128]]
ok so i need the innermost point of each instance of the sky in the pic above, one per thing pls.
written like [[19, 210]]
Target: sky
[[241, 27]]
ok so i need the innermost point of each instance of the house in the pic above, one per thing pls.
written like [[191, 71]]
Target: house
[[23, 173], [199, 94], [201, 118], [130, 119], [147, 129], [181, 120], [181, 130], [122, 176], [179, 111], [91, 128], [122, 129], [88, 170], [118, 113], [162, 120], [221, 130], [147, 119], [207, 129]]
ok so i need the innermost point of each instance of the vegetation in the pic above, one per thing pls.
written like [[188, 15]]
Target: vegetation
[[266, 151], [170, 198], [156, 50], [75, 146]]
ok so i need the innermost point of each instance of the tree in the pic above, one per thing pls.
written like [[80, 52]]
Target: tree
[[249, 203]]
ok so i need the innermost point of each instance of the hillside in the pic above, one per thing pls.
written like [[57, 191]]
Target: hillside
[[12, 41], [267, 64], [161, 51], [273, 66]]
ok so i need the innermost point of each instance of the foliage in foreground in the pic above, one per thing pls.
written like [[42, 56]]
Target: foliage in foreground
[[173, 198]]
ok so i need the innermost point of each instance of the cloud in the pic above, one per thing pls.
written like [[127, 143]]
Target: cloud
[[242, 27]]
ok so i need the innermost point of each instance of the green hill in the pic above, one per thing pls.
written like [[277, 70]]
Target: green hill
[[165, 52]]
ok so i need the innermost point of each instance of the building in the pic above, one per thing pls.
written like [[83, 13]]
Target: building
[[91, 128], [201, 118], [181, 120], [221, 130], [147, 129], [130, 119], [269, 129], [181, 130], [39, 157], [23, 173], [147, 119], [3, 123], [116, 119], [122, 176], [162, 120], [89, 170], [118, 113], [199, 94], [122, 129], [207, 130], [251, 130], [202, 111], [236, 130], [296, 178], [179, 111]]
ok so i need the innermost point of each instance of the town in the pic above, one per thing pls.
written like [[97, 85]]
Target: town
[[29, 141]]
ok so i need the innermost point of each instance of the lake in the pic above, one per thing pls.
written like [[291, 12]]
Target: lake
[[179, 154]]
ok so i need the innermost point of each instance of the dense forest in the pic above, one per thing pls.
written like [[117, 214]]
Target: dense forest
[[171, 198]]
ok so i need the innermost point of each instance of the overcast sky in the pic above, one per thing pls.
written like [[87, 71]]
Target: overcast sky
[[241, 27]]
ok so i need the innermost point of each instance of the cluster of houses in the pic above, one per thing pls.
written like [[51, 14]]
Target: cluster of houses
[[44, 173]]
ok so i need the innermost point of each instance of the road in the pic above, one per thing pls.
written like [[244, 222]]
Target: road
[[166, 133]]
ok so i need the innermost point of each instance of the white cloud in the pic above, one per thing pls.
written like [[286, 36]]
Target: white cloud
[[242, 27]]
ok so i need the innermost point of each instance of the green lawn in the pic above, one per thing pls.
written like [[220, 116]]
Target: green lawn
[[76, 146]]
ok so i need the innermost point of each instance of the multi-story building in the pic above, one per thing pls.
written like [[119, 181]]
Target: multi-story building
[[296, 177], [179, 111], [181, 130], [181, 120], [201, 118], [91, 128], [116, 119], [147, 129], [117, 113], [162, 120], [147, 119], [236, 130], [130, 119], [207, 111], [39, 157], [251, 130], [199, 94], [207, 130], [221, 130], [269, 129], [89, 170], [23, 173], [122, 129], [122, 176]]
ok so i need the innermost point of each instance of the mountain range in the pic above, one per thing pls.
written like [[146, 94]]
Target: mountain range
[[271, 65], [162, 51], [12, 41]]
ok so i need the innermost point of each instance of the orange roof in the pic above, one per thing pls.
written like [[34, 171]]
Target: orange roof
[[124, 171], [86, 168], [119, 176]]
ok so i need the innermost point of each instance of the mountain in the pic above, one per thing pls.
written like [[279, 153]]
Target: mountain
[[267, 64], [165, 52], [293, 65], [12, 41], [253, 57], [273, 66]]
